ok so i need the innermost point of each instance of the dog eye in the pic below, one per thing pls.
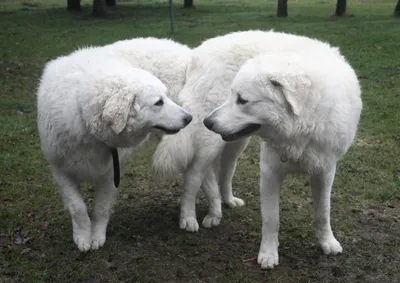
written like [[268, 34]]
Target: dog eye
[[240, 100], [159, 103]]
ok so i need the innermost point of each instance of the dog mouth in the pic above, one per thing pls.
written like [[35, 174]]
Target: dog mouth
[[166, 130], [250, 128]]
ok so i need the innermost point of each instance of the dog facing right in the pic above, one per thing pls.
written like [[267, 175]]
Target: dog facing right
[[305, 105]]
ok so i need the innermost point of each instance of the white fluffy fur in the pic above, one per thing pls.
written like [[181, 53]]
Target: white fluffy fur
[[204, 158], [94, 99], [164, 58], [308, 105]]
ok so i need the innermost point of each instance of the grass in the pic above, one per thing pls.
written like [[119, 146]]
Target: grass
[[144, 242]]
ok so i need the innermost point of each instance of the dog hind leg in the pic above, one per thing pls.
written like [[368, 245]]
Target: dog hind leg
[[210, 188], [192, 181], [230, 155], [106, 194]]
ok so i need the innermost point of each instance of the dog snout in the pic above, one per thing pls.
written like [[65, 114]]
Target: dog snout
[[188, 118], [208, 123]]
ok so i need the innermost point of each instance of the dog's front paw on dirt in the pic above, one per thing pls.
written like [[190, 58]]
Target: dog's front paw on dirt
[[211, 220], [234, 202], [82, 240], [268, 260], [189, 224], [98, 241], [331, 246]]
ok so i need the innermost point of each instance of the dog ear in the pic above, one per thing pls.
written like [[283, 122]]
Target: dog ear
[[116, 110], [293, 88]]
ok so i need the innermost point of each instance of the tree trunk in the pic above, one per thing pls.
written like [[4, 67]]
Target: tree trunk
[[282, 8], [171, 16], [74, 5], [111, 3], [188, 4], [99, 8], [397, 9], [340, 8]]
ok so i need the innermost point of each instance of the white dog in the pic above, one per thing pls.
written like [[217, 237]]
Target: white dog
[[93, 105], [204, 158], [305, 105], [164, 58]]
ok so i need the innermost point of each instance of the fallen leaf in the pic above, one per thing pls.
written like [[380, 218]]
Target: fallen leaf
[[5, 199], [356, 210], [20, 237], [32, 214], [25, 251], [249, 259], [17, 240]]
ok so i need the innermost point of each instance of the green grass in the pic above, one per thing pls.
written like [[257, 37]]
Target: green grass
[[144, 242]]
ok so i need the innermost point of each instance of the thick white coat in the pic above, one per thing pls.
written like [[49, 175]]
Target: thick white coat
[[308, 104], [204, 158], [97, 98]]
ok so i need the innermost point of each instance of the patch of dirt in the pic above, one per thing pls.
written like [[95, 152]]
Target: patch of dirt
[[365, 142], [145, 244]]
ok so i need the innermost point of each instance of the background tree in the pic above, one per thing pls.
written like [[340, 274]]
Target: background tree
[[73, 5], [397, 9], [99, 8], [282, 8], [111, 3], [171, 16], [188, 4], [340, 8]]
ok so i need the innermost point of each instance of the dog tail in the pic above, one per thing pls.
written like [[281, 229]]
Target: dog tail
[[173, 155]]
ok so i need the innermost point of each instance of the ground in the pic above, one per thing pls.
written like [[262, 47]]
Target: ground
[[144, 241]]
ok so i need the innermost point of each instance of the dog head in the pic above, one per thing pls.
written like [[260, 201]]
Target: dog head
[[268, 92], [136, 104]]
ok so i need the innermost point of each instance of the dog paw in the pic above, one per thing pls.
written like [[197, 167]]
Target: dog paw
[[189, 224], [82, 241], [268, 260], [234, 202], [98, 241], [211, 220], [331, 246]]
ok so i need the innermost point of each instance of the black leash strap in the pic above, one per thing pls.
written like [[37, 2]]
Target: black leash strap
[[114, 153]]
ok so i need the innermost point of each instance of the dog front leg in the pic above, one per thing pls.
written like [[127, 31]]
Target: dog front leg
[[321, 185], [106, 194], [270, 183], [74, 202]]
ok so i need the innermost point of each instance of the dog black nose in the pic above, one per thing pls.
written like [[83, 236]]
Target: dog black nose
[[188, 119], [208, 123]]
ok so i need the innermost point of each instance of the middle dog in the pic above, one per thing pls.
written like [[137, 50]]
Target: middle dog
[[204, 158]]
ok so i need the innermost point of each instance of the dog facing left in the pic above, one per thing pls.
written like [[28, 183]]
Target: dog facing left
[[87, 106]]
